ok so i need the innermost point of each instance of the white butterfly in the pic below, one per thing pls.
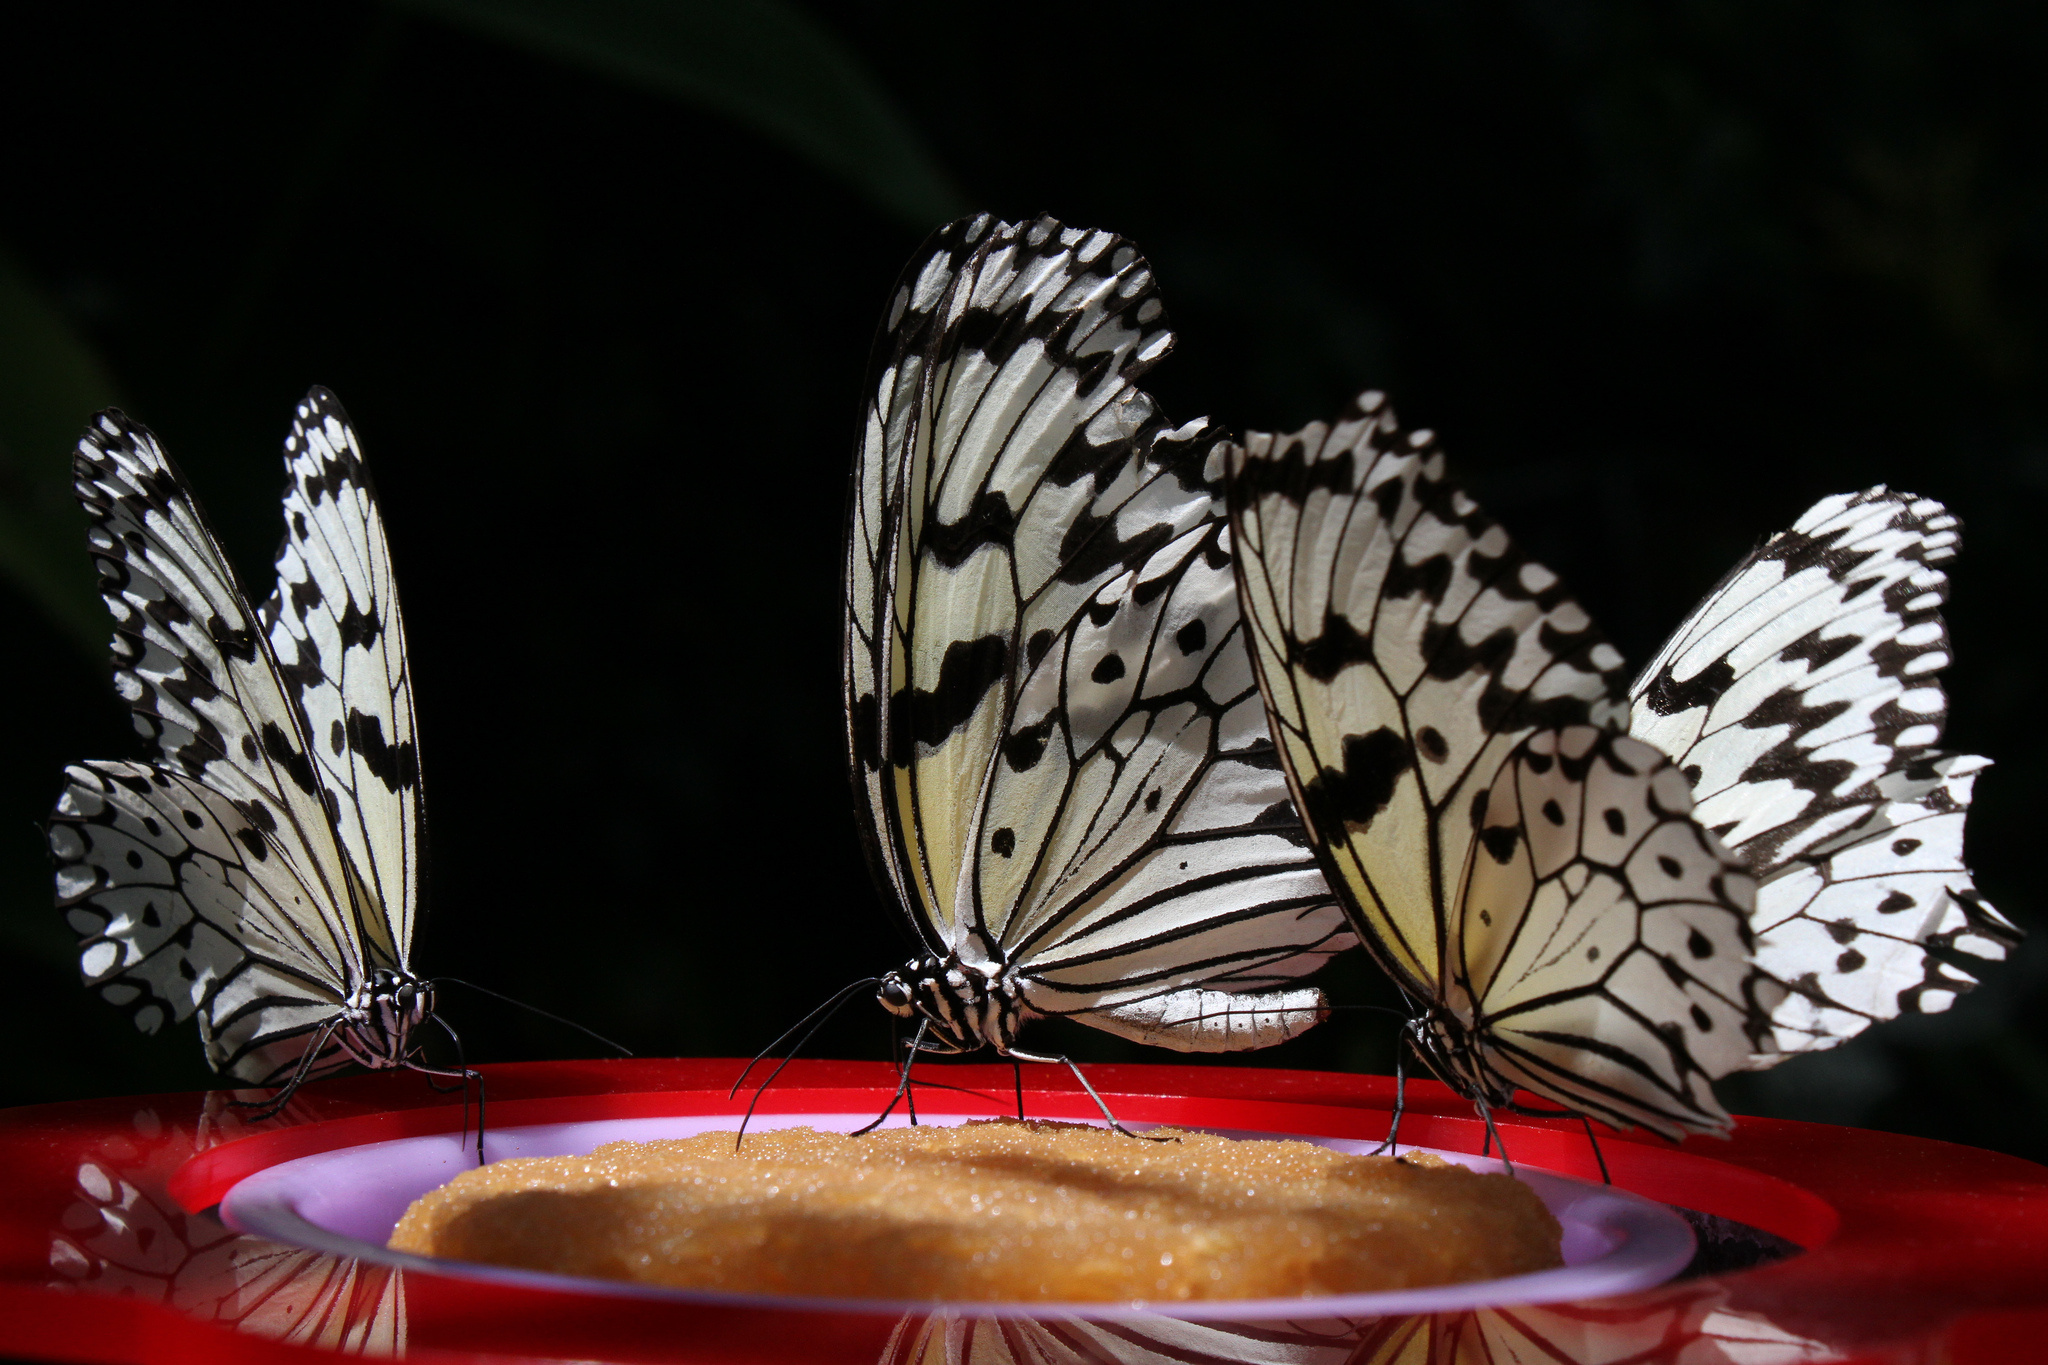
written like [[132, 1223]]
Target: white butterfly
[[1063, 774], [1448, 717], [1803, 699], [263, 872]]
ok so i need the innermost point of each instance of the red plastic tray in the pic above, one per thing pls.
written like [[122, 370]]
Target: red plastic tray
[[1915, 1250]]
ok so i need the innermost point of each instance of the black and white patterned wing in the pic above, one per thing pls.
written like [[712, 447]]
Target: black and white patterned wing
[[1010, 472], [1138, 848], [160, 913], [334, 625], [1604, 936], [182, 906], [1803, 700], [1404, 647]]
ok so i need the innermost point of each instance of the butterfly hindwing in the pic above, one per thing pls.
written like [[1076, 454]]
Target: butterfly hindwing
[[1170, 854], [1604, 936], [1803, 699], [182, 906]]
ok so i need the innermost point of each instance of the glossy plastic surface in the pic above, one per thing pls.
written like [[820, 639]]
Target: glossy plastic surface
[[1915, 1250]]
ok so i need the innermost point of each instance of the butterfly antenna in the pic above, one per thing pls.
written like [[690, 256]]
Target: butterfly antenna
[[902, 1082], [1587, 1123], [270, 1108], [822, 1014], [619, 1048], [839, 998]]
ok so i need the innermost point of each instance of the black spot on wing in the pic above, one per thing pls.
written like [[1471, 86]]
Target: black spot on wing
[[989, 521], [967, 671], [1024, 748], [285, 754], [396, 766], [1668, 697], [358, 627], [1191, 637], [1354, 794]]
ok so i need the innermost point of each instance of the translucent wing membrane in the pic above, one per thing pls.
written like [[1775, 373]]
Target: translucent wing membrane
[[1050, 715], [1446, 715], [262, 872], [1803, 700]]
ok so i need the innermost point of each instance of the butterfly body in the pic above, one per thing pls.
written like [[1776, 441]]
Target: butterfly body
[[382, 1015]]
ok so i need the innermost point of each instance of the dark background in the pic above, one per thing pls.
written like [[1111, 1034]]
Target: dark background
[[597, 282]]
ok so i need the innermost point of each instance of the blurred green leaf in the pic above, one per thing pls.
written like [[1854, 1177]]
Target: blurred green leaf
[[50, 384], [763, 63]]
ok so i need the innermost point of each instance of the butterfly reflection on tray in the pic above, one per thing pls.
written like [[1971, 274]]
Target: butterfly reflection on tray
[[1528, 864], [262, 871], [1058, 750]]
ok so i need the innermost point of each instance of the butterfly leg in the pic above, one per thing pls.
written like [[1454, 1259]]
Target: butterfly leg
[[902, 1082], [1058, 1059], [1017, 1076], [1392, 1146], [270, 1108], [463, 1074], [1587, 1123], [1493, 1136]]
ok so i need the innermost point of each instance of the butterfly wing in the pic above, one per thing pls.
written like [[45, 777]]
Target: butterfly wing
[[1151, 847], [1803, 700], [250, 916], [182, 905], [1010, 473], [1404, 647], [1604, 936], [335, 628]]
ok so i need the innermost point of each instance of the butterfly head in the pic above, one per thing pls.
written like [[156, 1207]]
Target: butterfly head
[[962, 1006], [381, 1016]]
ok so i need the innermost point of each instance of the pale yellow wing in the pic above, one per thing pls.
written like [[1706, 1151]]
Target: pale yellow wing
[[1404, 646]]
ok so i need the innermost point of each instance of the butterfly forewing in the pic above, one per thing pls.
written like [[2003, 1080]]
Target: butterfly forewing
[[335, 627], [1405, 647], [1803, 700]]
